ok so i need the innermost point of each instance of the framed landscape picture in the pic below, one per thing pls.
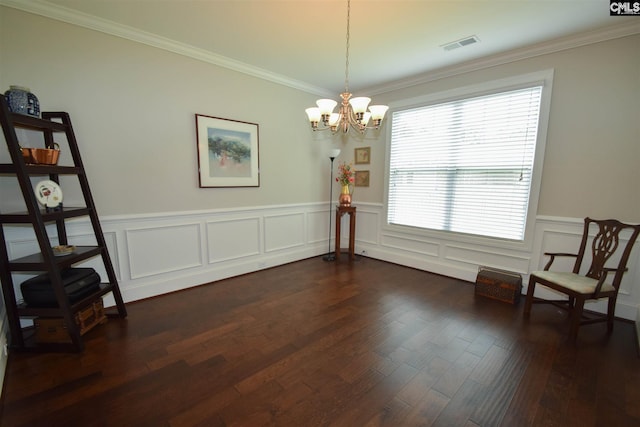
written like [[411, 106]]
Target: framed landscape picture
[[227, 152]]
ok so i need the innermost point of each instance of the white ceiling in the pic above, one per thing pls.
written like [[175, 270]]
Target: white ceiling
[[304, 40]]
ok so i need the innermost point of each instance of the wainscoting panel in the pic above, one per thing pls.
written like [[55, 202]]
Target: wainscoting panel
[[163, 249], [23, 247], [318, 226], [233, 239], [18, 248], [206, 246], [416, 245], [87, 238], [558, 240], [367, 225], [284, 231], [475, 256]]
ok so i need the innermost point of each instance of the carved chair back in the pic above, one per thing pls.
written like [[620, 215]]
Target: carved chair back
[[603, 246]]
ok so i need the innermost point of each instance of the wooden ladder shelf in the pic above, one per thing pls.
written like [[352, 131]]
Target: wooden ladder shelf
[[45, 261]]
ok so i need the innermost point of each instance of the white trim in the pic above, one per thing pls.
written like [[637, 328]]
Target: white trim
[[148, 242], [75, 17], [245, 223], [142, 277], [91, 22], [577, 40]]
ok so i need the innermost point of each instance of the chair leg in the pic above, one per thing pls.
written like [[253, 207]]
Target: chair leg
[[530, 289], [611, 309], [576, 317]]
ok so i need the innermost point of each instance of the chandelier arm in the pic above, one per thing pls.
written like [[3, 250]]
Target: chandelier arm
[[355, 125], [358, 127]]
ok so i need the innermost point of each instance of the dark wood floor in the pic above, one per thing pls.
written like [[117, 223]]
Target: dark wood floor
[[312, 343]]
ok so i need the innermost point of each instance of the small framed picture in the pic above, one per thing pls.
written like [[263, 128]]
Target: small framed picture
[[227, 152], [362, 179], [363, 155]]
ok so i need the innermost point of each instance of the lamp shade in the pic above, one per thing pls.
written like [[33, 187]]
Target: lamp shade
[[334, 153], [378, 111], [360, 104], [326, 106], [313, 113]]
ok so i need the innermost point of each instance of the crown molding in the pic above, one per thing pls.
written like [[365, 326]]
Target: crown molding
[[70, 16], [577, 40], [91, 22]]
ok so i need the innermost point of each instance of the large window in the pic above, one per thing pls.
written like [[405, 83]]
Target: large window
[[465, 165]]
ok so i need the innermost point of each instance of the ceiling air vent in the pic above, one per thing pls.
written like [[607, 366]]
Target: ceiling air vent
[[460, 43]]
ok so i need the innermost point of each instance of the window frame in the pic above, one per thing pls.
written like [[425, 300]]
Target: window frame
[[545, 78]]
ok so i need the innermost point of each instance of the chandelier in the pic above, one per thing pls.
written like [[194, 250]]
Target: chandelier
[[353, 112]]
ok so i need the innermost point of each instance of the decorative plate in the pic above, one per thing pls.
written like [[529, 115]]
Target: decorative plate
[[48, 193]]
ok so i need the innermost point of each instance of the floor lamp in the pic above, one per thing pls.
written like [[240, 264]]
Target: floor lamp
[[331, 256]]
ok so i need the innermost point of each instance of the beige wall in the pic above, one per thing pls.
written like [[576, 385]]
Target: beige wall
[[133, 108], [592, 157]]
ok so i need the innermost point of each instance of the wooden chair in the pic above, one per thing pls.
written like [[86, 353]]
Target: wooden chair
[[580, 287]]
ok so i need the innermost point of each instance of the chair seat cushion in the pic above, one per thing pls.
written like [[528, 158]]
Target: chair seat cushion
[[575, 282]]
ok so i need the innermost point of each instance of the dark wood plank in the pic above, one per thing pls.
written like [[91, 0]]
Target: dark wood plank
[[313, 343]]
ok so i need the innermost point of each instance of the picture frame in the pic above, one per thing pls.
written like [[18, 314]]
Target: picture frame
[[362, 155], [228, 152], [362, 179]]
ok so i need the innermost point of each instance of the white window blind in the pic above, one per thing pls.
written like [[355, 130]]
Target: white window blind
[[466, 165]]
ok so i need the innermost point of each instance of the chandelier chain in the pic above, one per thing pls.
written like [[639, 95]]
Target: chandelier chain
[[346, 68]]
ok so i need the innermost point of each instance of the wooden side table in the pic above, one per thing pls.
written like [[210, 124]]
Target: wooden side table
[[351, 210]]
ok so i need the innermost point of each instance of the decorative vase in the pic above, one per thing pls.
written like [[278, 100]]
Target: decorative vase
[[20, 100], [345, 196]]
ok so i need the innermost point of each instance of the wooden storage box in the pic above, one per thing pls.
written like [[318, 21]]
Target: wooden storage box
[[502, 285], [54, 330]]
